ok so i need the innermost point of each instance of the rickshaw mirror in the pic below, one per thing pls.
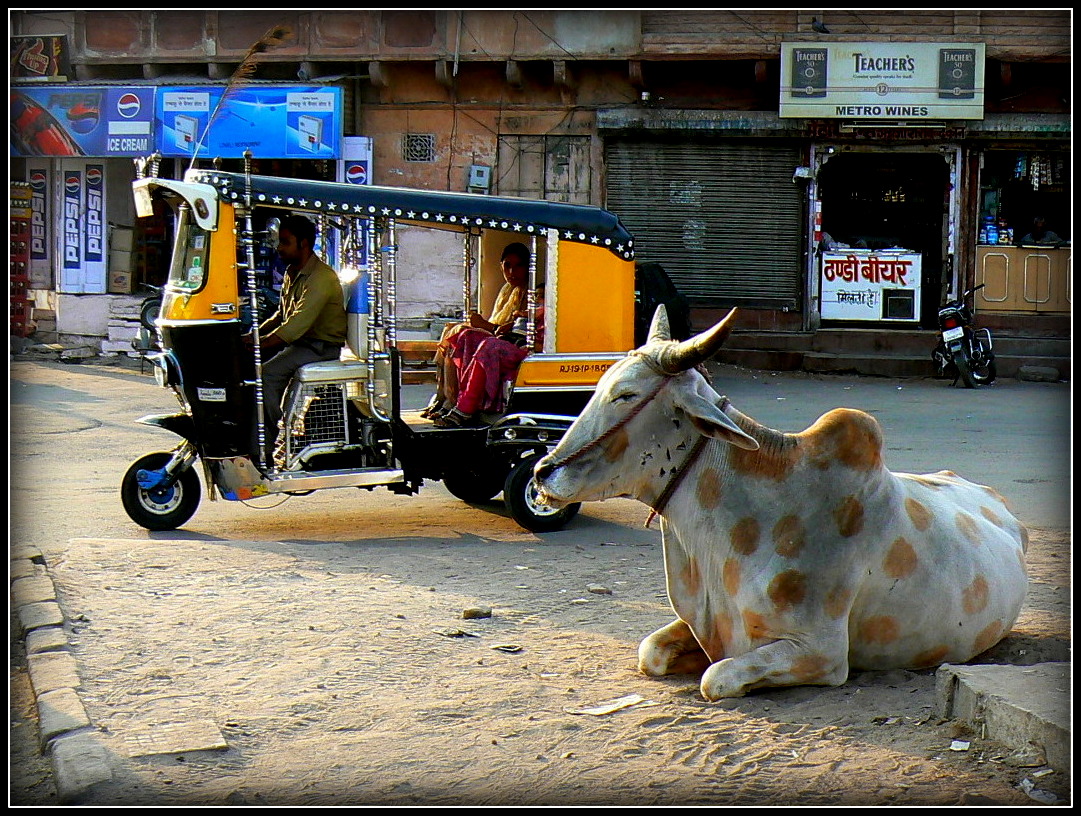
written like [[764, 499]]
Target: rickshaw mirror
[[272, 227]]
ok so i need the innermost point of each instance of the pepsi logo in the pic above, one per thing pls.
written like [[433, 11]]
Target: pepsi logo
[[93, 176], [72, 184], [356, 174], [128, 105], [37, 180]]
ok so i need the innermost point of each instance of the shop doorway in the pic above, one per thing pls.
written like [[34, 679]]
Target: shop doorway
[[889, 200]]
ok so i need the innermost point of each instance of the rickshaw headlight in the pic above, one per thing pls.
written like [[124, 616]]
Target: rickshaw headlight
[[510, 433]]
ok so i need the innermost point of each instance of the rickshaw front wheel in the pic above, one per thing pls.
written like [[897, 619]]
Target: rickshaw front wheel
[[160, 509], [522, 498]]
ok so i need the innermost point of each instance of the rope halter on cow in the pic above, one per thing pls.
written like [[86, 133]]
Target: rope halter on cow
[[667, 358]]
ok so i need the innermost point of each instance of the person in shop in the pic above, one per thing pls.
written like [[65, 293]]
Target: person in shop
[[309, 325], [461, 342], [829, 243], [1040, 234]]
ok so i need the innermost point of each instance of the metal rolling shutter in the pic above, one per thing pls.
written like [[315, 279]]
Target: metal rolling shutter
[[725, 220]]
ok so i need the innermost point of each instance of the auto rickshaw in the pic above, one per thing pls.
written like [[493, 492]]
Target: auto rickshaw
[[344, 424]]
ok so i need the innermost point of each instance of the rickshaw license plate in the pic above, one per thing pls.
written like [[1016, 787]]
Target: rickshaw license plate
[[211, 394], [953, 334]]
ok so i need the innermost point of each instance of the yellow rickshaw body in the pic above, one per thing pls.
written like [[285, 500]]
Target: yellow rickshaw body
[[594, 301], [215, 296]]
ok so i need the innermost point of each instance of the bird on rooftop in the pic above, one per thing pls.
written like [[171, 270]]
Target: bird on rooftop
[[819, 26]]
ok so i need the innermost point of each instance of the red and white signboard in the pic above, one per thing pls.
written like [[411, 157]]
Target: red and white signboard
[[871, 285]]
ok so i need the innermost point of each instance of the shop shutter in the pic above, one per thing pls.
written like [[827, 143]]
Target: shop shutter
[[724, 219]]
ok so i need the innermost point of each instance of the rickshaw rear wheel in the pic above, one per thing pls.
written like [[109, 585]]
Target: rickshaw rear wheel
[[160, 509], [522, 498], [477, 484]]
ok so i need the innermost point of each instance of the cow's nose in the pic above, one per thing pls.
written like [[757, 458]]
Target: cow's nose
[[543, 469]]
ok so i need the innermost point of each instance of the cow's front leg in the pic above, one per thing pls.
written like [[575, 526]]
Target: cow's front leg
[[672, 649], [781, 663]]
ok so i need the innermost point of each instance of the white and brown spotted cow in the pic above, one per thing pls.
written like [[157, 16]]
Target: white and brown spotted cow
[[790, 557]]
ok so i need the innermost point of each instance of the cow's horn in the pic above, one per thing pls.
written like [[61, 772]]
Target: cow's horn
[[686, 355], [659, 328]]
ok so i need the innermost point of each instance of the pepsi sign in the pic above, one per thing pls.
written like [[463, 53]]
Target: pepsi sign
[[39, 215], [72, 216], [82, 227], [356, 174], [128, 105], [87, 120], [94, 236]]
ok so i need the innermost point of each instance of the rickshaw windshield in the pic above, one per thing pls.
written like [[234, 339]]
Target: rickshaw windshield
[[188, 270]]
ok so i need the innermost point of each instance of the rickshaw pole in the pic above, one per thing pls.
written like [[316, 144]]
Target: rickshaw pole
[[375, 307], [467, 284], [392, 283], [248, 242], [531, 296]]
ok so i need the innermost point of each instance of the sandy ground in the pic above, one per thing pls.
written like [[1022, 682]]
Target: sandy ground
[[339, 670], [344, 674]]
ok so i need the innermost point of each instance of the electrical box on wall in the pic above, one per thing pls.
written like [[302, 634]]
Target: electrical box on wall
[[480, 177]]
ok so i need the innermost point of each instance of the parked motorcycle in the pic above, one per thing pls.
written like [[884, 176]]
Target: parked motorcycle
[[147, 338], [963, 351]]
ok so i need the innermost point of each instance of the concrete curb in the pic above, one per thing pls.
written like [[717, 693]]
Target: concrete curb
[[1021, 707], [79, 759]]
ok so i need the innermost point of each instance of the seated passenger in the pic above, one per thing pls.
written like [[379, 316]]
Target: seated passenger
[[482, 363], [510, 304]]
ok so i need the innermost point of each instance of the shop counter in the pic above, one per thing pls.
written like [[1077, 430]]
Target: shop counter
[[1024, 279]]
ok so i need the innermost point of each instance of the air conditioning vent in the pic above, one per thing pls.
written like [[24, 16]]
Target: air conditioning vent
[[418, 147]]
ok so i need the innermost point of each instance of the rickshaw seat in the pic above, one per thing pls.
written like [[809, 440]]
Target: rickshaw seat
[[332, 371]]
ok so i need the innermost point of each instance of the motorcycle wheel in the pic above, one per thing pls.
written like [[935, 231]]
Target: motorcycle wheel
[[983, 369], [964, 369], [474, 486], [149, 313], [522, 498], [160, 509]]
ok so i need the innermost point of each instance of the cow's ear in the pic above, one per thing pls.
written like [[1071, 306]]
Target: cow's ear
[[710, 420]]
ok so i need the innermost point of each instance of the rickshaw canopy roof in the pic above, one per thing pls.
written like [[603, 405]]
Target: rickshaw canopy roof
[[575, 222]]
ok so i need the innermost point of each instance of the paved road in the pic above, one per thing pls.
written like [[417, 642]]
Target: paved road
[[73, 436]]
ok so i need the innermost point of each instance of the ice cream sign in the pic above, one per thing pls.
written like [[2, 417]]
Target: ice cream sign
[[888, 81], [82, 120]]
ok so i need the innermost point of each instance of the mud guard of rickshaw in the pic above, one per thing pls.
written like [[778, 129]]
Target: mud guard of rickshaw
[[528, 430], [180, 424]]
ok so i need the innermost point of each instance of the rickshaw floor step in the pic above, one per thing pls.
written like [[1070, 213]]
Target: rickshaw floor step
[[304, 480]]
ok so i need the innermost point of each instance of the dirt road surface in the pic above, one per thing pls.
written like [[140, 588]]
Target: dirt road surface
[[317, 653]]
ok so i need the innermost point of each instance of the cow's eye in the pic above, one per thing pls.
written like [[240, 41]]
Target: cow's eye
[[627, 396]]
